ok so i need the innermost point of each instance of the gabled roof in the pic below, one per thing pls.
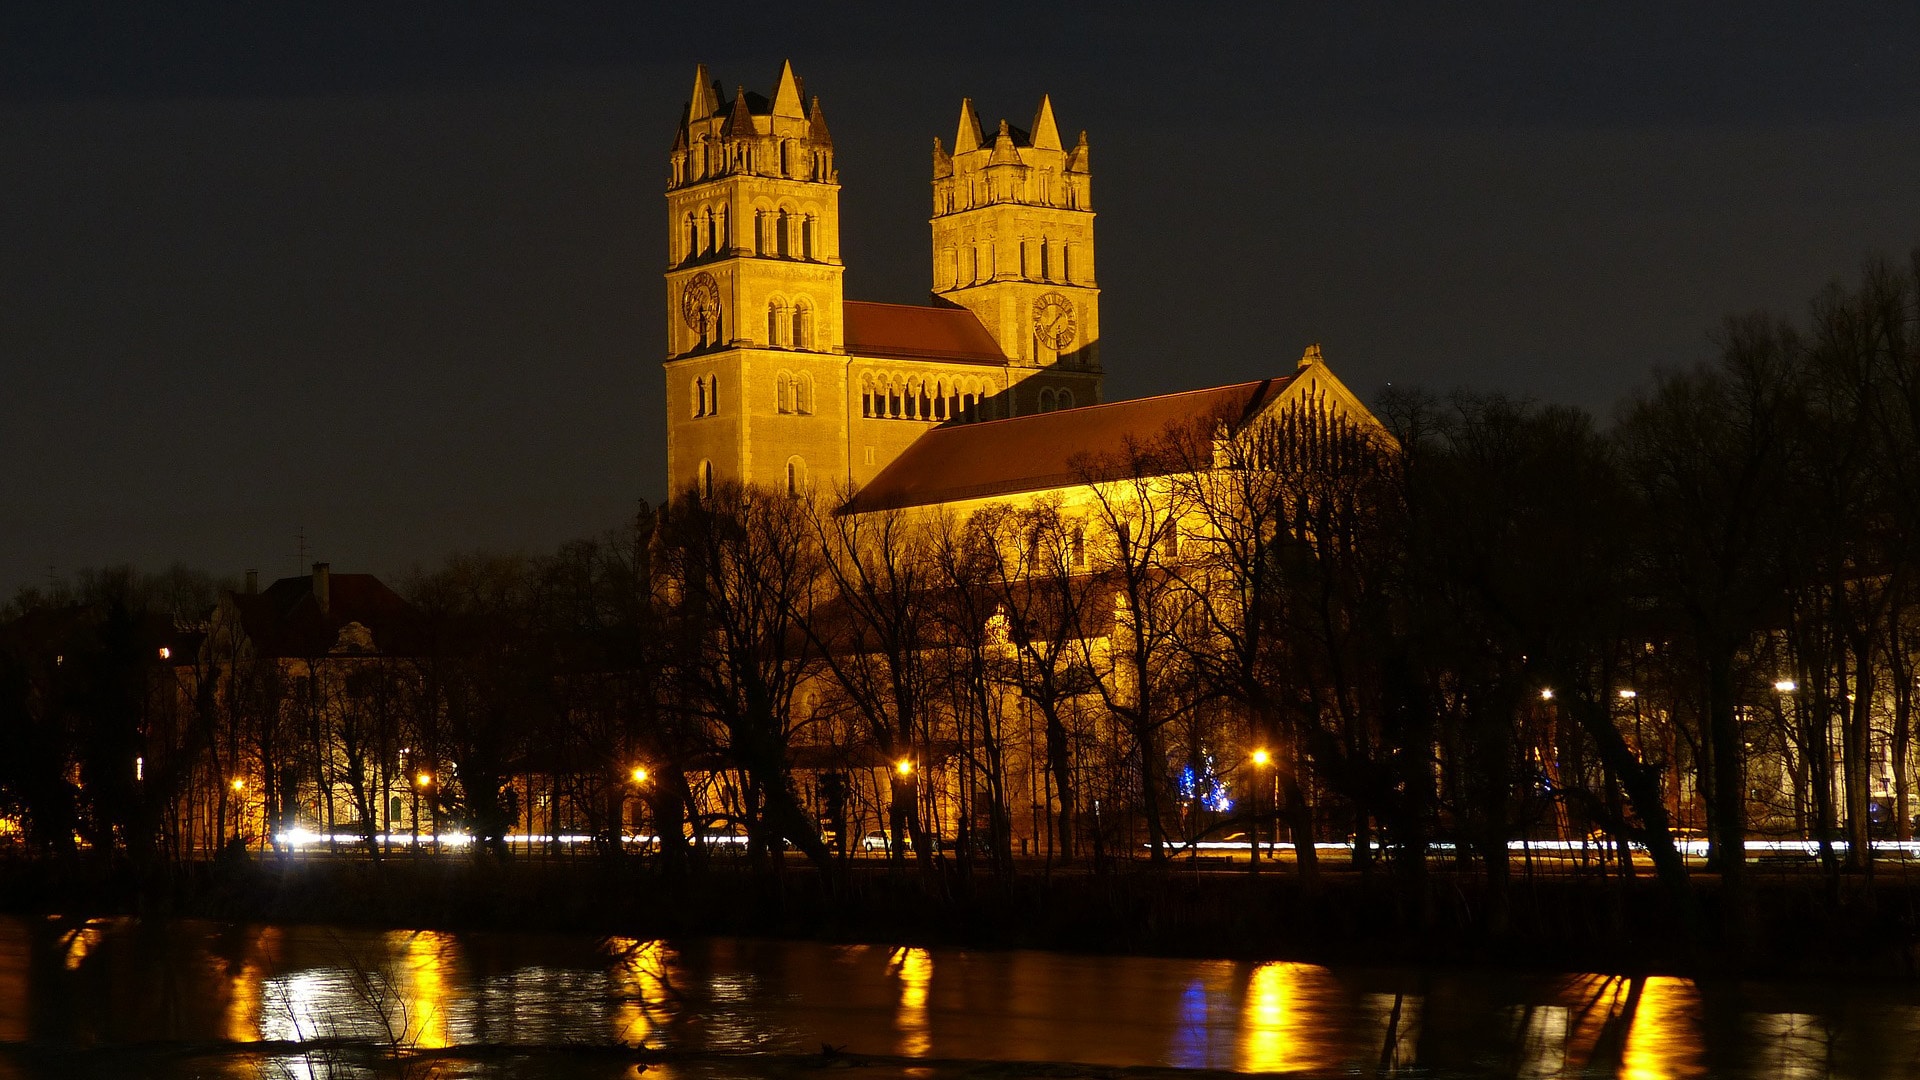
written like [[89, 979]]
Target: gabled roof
[[285, 619], [910, 332], [1050, 450]]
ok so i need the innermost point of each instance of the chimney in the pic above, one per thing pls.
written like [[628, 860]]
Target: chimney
[[322, 585], [253, 582]]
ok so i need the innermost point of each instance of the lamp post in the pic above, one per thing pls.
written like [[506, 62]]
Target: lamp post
[[639, 777], [421, 783], [1260, 761], [903, 770]]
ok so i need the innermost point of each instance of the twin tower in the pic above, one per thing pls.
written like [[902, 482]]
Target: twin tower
[[774, 378]]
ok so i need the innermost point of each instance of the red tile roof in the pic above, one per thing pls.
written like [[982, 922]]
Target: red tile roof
[[918, 333], [1048, 450]]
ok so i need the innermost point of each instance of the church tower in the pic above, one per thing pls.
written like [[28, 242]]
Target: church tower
[[756, 376], [1013, 243]]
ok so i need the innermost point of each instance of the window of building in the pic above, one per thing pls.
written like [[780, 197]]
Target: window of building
[[802, 325], [796, 477], [704, 479]]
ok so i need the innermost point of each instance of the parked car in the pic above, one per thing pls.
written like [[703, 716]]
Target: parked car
[[874, 841]]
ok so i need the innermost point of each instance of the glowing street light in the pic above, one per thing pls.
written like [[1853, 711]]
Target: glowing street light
[[639, 774], [1628, 695], [1546, 693], [904, 766], [1786, 686], [425, 779], [166, 653], [238, 784], [1260, 758]]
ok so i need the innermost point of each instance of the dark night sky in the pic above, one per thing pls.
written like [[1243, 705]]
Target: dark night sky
[[393, 277]]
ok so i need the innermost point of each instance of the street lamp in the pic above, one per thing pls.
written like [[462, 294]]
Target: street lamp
[[1786, 686], [904, 766], [1260, 760]]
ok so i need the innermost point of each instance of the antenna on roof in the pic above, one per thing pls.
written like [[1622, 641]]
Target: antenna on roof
[[300, 543]]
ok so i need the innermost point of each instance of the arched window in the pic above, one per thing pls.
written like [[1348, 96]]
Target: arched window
[[1063, 400], [802, 325], [776, 323], [1046, 399], [866, 396], [693, 236], [803, 393], [713, 394], [710, 246], [699, 397], [796, 477], [807, 227], [703, 479], [723, 239], [760, 226], [783, 392], [783, 233]]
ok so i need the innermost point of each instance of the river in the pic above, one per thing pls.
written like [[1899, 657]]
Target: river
[[119, 997]]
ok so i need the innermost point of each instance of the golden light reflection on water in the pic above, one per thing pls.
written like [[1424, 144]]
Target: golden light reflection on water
[[246, 983], [80, 941], [641, 982], [422, 986], [1663, 1042], [914, 969], [1276, 1029]]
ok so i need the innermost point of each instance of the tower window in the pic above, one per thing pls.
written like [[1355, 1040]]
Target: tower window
[[783, 234], [703, 479], [796, 477], [802, 325], [699, 397], [1063, 400], [808, 226]]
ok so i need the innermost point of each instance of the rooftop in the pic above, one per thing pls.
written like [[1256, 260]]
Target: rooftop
[[1049, 450], [910, 332]]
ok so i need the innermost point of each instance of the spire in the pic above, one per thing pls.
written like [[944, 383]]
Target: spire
[[740, 124], [704, 102], [1077, 157], [968, 137], [817, 125], [787, 100], [1046, 134], [1003, 151]]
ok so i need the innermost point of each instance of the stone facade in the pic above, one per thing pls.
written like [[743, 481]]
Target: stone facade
[[773, 378]]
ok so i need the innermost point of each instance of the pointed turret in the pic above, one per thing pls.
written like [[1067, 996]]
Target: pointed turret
[[817, 125], [740, 123], [1077, 158], [1046, 134], [704, 102], [1003, 151], [786, 98], [1311, 357], [942, 161], [968, 137]]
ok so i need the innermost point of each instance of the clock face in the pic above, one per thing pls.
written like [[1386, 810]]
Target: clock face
[[1053, 320], [700, 302]]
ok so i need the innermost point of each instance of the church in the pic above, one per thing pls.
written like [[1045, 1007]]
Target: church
[[991, 390]]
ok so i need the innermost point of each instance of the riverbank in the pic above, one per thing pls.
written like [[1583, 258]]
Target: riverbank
[[1797, 925]]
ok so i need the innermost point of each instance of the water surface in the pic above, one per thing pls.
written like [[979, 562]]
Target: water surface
[[189, 999]]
